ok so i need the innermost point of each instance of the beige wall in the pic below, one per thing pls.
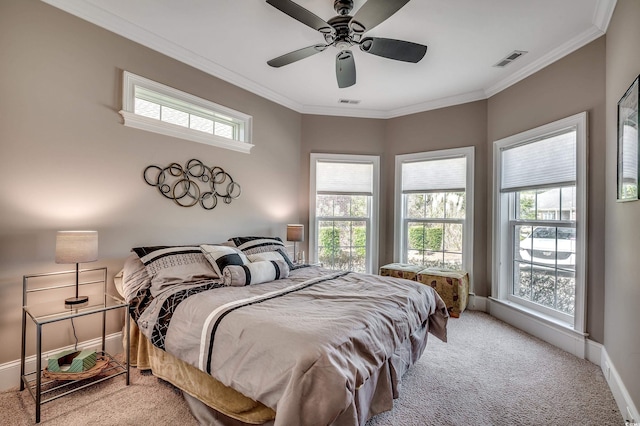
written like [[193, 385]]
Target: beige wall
[[454, 127], [569, 86], [622, 238], [340, 135], [67, 161]]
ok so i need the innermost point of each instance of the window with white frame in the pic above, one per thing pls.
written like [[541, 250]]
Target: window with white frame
[[154, 107], [434, 209], [343, 214], [539, 220]]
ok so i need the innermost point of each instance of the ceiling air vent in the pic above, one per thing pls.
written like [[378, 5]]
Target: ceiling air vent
[[348, 101], [510, 58]]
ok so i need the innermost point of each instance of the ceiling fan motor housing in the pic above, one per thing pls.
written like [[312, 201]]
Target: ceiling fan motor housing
[[343, 7]]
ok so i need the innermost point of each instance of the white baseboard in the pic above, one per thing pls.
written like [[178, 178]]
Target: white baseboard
[[477, 303], [10, 371], [618, 389], [573, 343]]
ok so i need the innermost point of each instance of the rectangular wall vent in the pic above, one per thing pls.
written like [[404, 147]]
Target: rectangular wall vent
[[348, 101], [510, 58]]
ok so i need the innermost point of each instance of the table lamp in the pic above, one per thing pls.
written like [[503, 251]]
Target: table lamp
[[76, 247], [295, 233]]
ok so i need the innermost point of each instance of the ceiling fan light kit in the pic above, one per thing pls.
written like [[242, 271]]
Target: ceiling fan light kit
[[344, 31]]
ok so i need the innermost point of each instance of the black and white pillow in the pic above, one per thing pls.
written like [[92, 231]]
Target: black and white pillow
[[254, 273], [253, 246], [221, 256], [168, 265]]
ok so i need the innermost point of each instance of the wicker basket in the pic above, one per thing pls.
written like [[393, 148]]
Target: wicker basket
[[101, 363]]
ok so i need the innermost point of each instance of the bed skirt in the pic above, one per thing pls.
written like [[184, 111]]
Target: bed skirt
[[375, 396], [194, 382]]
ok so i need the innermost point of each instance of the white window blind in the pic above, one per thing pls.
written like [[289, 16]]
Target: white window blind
[[344, 178], [448, 174], [550, 161], [630, 154]]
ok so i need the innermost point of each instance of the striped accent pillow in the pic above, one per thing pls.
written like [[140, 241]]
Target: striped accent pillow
[[254, 245], [168, 265], [251, 245], [254, 273], [221, 256]]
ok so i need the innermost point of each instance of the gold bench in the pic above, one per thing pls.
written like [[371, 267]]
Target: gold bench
[[452, 286]]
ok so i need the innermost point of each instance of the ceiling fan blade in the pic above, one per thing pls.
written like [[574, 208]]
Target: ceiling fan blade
[[301, 14], [345, 69], [394, 49], [296, 55], [373, 12]]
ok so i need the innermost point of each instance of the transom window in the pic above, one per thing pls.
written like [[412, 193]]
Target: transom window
[[540, 226], [433, 200], [152, 106], [343, 211]]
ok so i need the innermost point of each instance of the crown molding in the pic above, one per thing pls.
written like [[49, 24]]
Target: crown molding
[[556, 54], [100, 17], [603, 13], [129, 30]]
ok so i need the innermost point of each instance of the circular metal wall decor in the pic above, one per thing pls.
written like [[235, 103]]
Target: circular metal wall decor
[[195, 183]]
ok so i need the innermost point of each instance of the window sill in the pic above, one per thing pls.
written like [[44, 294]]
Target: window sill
[[151, 125], [538, 316]]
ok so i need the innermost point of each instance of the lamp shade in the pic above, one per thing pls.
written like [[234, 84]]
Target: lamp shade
[[295, 232], [76, 246]]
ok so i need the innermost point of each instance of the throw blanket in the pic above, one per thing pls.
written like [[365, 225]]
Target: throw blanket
[[304, 345]]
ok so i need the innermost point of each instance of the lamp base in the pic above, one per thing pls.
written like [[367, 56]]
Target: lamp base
[[76, 301]]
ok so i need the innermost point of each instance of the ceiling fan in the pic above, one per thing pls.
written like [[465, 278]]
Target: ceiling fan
[[344, 31]]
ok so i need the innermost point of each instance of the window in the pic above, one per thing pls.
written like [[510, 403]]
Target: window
[[540, 234], [434, 209], [344, 211], [154, 107]]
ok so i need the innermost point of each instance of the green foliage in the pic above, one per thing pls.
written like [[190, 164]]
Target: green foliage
[[360, 241], [330, 242], [423, 238]]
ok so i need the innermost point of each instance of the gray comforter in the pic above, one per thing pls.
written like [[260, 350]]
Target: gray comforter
[[304, 346]]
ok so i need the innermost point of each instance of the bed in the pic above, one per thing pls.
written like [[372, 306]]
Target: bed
[[240, 328]]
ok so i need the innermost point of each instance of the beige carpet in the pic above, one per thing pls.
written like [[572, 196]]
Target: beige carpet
[[488, 374]]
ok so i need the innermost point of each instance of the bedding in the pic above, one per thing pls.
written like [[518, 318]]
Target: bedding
[[221, 256], [319, 347], [262, 248], [255, 273], [169, 265]]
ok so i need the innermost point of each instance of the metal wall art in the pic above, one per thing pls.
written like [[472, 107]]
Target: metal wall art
[[195, 183]]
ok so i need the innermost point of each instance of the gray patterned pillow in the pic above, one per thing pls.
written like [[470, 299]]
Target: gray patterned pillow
[[168, 265]]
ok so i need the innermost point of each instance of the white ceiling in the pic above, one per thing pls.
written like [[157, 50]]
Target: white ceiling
[[234, 39]]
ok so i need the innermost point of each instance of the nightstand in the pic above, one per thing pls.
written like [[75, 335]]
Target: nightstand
[[49, 308]]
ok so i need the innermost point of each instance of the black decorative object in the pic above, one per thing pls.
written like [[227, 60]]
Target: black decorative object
[[192, 184]]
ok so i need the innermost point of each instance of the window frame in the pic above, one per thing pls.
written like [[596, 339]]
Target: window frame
[[190, 104], [502, 242], [400, 241], [371, 262]]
